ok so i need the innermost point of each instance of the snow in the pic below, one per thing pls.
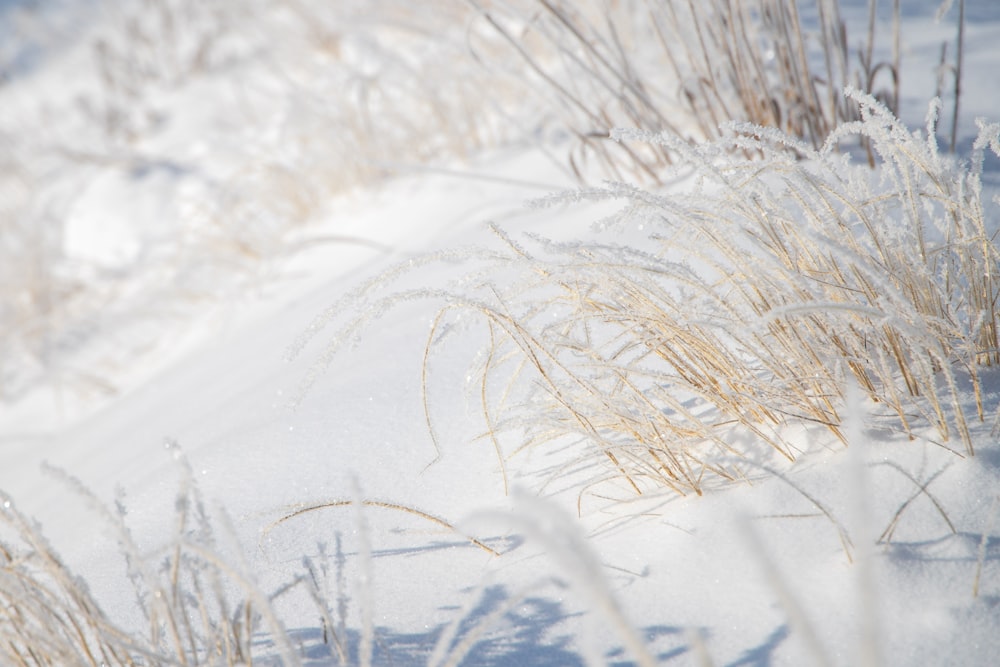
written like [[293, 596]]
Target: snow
[[180, 351]]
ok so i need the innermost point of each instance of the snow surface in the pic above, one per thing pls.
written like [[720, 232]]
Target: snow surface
[[751, 574]]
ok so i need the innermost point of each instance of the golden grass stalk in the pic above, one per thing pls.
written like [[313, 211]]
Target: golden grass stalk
[[381, 504]]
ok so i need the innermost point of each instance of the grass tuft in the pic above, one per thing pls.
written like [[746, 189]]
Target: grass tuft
[[686, 68], [199, 607], [758, 291]]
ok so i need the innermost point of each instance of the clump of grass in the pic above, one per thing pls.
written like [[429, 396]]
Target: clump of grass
[[197, 600], [761, 288], [48, 615], [688, 67], [198, 606], [767, 286], [788, 277]]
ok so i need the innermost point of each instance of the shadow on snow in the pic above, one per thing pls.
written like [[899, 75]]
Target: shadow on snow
[[500, 631]]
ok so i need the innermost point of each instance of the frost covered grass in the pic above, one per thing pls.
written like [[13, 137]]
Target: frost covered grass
[[763, 287], [199, 607], [198, 599]]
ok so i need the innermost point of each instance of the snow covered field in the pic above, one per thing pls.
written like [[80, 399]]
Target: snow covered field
[[183, 238]]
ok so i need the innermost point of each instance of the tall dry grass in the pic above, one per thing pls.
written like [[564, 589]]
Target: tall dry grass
[[687, 67], [776, 276], [760, 293], [198, 605], [197, 599]]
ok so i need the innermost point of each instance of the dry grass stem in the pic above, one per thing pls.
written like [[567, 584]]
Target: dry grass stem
[[382, 505]]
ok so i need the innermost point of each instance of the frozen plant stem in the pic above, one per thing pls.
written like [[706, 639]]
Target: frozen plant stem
[[959, 58]]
